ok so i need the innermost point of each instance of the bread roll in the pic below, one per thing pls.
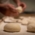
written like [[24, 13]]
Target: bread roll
[[12, 27]]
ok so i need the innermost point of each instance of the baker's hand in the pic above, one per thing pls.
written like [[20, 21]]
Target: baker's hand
[[13, 11], [8, 9]]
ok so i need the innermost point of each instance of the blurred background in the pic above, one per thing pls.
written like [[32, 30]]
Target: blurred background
[[30, 6]]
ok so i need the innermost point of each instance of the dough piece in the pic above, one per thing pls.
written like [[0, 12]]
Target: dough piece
[[19, 9], [21, 17], [31, 26], [12, 27]]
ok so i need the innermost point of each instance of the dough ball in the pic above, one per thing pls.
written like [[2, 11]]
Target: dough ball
[[19, 9], [12, 27], [31, 26]]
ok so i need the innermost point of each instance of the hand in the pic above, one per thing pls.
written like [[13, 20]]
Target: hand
[[12, 10], [9, 9], [23, 5]]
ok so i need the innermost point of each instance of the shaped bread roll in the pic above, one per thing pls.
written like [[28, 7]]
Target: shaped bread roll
[[12, 27]]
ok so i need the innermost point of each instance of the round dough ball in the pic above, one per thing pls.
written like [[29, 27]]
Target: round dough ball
[[19, 9], [12, 27], [31, 27]]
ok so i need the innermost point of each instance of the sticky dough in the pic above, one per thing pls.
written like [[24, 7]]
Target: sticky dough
[[19, 9], [12, 27]]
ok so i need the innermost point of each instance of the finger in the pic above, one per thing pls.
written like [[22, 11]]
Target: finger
[[23, 5], [11, 6], [18, 4], [14, 14]]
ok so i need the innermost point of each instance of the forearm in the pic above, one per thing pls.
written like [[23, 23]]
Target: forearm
[[12, 7]]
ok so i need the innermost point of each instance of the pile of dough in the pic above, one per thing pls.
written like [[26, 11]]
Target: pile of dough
[[12, 27], [19, 9], [31, 26], [9, 19]]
